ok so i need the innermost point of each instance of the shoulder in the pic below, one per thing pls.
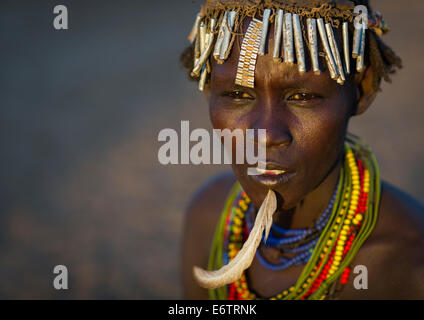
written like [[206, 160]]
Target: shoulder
[[201, 219], [394, 250], [207, 203], [204, 200], [400, 214]]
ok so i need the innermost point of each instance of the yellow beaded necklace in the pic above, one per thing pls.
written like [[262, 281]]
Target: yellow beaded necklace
[[353, 218]]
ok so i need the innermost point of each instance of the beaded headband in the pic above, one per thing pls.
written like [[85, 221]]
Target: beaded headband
[[295, 23]]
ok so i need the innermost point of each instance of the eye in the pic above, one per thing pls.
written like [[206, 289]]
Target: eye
[[239, 95], [301, 96]]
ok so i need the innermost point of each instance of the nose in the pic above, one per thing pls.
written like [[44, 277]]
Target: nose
[[275, 121]]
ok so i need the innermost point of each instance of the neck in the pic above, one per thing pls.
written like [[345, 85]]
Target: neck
[[313, 205]]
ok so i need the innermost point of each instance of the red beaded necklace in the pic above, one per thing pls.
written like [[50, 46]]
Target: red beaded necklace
[[353, 218]]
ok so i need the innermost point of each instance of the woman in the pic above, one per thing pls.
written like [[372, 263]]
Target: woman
[[333, 215]]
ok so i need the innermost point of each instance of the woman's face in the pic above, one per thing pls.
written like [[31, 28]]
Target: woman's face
[[305, 117]]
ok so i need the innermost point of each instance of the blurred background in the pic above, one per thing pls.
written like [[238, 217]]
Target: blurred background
[[81, 109]]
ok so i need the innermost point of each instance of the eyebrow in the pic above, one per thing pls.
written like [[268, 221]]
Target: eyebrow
[[290, 79]]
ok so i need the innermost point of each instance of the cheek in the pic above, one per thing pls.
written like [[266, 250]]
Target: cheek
[[222, 116], [322, 137], [216, 114]]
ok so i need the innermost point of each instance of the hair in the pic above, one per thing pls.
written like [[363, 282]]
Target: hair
[[379, 56]]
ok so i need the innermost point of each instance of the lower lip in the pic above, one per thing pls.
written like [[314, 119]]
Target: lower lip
[[273, 180]]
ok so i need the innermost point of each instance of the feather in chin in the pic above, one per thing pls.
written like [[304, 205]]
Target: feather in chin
[[233, 270]]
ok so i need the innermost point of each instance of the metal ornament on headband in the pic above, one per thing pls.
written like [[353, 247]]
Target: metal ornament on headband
[[297, 25]]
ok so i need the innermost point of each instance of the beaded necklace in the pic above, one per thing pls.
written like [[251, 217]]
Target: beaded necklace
[[353, 217], [299, 242]]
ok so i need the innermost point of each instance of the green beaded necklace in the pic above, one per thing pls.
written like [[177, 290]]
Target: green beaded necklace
[[352, 220]]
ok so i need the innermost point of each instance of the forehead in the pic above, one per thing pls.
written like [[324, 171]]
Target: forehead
[[268, 71]]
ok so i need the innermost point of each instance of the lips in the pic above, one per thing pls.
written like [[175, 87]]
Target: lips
[[268, 172], [271, 168], [273, 175]]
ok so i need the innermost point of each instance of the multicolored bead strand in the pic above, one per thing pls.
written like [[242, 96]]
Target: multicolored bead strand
[[299, 242], [352, 219]]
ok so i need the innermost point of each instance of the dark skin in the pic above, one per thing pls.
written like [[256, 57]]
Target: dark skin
[[306, 118]]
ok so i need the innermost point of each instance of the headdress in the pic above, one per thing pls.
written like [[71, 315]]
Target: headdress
[[299, 25]]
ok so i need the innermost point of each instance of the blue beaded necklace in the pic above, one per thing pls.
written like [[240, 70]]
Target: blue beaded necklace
[[298, 242]]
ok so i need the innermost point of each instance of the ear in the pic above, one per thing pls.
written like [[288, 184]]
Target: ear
[[365, 90]]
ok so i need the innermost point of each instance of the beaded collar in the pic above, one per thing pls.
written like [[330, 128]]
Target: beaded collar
[[296, 242], [353, 217]]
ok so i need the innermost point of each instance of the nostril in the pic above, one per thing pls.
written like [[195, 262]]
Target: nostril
[[284, 144], [278, 138], [274, 120]]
